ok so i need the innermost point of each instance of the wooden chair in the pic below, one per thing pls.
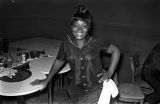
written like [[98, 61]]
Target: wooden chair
[[130, 92], [145, 87]]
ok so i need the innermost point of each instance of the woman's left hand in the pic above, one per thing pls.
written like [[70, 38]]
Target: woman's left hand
[[106, 76]]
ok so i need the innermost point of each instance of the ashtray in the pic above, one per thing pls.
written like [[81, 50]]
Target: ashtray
[[20, 76]]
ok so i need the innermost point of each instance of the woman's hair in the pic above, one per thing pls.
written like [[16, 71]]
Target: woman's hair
[[157, 47], [82, 13]]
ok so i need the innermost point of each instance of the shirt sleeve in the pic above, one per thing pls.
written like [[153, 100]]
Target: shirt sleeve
[[62, 53], [156, 58], [104, 45]]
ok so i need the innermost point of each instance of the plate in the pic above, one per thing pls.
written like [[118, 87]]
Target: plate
[[20, 76]]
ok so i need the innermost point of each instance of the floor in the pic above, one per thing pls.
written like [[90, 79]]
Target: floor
[[38, 98], [41, 97]]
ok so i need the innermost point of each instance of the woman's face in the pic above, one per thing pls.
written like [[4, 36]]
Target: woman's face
[[80, 29]]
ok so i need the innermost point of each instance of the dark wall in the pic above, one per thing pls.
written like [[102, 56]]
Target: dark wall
[[131, 24], [33, 18], [51, 17]]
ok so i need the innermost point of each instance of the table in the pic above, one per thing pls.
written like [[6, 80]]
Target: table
[[48, 62], [45, 68], [39, 67], [23, 87]]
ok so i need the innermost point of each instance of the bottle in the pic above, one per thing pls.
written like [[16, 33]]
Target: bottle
[[2, 64], [18, 56], [18, 52]]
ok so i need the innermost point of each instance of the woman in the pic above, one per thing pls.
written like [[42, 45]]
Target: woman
[[82, 51]]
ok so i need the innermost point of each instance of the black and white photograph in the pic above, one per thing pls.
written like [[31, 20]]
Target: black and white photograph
[[79, 52]]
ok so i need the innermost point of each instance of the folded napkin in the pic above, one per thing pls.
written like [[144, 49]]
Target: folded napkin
[[109, 90]]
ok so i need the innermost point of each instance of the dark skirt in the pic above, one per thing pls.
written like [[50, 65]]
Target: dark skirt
[[81, 95]]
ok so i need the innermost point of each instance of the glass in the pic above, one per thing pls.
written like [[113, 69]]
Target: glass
[[7, 60], [1, 62], [14, 58], [26, 55]]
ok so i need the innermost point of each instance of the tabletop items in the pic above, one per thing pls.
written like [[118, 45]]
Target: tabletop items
[[10, 59], [35, 53], [20, 75], [17, 57]]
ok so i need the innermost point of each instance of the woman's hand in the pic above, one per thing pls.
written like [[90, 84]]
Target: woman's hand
[[40, 82], [8, 72], [106, 76]]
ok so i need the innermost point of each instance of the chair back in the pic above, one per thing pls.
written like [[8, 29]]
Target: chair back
[[133, 69], [136, 74], [135, 65]]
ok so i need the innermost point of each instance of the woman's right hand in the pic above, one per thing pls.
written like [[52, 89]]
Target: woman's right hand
[[39, 82]]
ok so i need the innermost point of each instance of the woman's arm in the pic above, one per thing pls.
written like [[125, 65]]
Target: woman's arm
[[54, 69], [114, 50], [115, 56]]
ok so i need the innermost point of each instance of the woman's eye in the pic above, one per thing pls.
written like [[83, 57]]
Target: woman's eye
[[84, 29], [75, 28]]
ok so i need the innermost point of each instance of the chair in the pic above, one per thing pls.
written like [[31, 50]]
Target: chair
[[145, 87], [130, 92]]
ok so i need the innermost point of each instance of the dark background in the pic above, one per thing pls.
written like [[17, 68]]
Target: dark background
[[133, 25]]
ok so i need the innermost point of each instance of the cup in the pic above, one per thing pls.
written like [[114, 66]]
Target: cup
[[34, 54], [26, 54]]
